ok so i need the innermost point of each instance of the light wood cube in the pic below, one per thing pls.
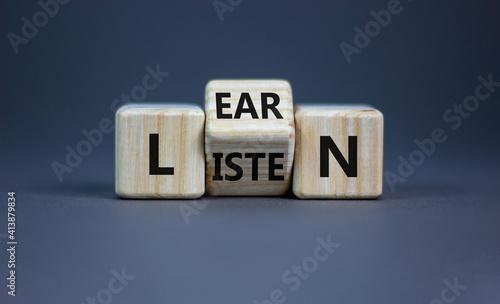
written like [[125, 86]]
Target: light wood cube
[[160, 151], [338, 152], [249, 137]]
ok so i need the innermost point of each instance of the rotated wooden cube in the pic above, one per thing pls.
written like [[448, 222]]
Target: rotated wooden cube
[[338, 152], [160, 151], [249, 137]]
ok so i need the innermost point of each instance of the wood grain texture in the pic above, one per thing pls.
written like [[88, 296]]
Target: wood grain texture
[[339, 122], [180, 130], [249, 135]]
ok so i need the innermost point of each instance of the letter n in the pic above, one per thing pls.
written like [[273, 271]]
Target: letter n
[[350, 168]]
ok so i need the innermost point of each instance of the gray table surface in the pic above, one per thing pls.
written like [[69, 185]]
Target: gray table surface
[[399, 248]]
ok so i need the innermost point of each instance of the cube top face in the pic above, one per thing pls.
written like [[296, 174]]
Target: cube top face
[[357, 132], [245, 118], [156, 109], [152, 138]]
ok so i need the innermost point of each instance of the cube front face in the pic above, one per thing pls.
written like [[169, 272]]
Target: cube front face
[[249, 137], [339, 152], [160, 151]]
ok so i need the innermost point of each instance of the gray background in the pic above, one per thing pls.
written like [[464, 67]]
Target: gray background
[[441, 223]]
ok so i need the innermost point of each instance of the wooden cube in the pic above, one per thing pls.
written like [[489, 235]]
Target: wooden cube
[[249, 137], [160, 151], [338, 152]]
